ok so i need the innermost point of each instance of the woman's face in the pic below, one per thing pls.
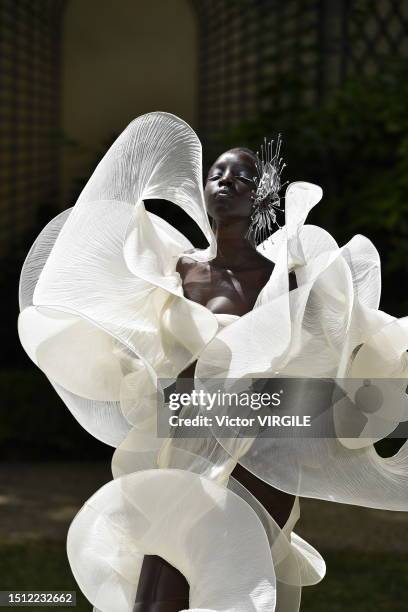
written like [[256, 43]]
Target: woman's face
[[230, 185]]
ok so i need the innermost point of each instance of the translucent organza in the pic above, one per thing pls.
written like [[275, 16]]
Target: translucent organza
[[103, 315]]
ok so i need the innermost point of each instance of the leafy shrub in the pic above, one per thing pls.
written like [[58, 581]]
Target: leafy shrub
[[355, 145], [35, 423]]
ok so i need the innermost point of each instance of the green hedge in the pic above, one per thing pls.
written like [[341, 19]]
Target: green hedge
[[36, 424], [355, 145]]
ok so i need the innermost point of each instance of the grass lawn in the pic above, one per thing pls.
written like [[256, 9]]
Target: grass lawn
[[360, 582], [38, 567], [355, 582]]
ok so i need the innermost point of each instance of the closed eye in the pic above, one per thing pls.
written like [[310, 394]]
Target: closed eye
[[246, 179], [241, 177]]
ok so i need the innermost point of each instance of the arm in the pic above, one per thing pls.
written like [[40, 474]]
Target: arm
[[292, 280], [184, 265]]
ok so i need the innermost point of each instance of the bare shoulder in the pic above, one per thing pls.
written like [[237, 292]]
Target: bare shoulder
[[188, 267], [192, 271], [185, 264]]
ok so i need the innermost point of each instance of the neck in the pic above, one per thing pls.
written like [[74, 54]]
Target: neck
[[233, 249]]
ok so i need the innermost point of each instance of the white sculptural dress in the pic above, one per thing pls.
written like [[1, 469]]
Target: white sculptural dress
[[103, 315]]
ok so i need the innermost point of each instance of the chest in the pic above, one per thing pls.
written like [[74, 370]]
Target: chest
[[225, 291]]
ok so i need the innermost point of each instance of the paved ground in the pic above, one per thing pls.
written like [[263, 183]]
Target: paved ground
[[38, 502]]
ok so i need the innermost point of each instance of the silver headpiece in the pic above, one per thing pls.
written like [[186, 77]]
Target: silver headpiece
[[266, 200]]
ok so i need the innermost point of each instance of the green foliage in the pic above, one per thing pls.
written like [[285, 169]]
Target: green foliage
[[359, 582], [355, 145], [355, 581], [36, 424], [39, 566]]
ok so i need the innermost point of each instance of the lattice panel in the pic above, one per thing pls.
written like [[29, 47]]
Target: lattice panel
[[228, 63], [375, 31], [289, 54], [256, 56], [30, 36], [268, 56]]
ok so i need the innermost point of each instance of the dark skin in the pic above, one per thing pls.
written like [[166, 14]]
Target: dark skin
[[229, 284]]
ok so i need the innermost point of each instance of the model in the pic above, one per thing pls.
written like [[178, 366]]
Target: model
[[114, 301]]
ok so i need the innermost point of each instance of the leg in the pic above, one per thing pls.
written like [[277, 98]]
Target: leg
[[162, 588], [276, 502]]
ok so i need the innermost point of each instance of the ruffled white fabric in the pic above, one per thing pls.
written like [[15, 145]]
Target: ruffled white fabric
[[202, 529], [103, 315], [101, 300], [328, 327]]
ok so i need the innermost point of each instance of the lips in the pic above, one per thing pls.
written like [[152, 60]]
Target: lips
[[224, 192]]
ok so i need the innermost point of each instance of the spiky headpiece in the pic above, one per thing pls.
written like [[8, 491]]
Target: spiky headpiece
[[268, 182]]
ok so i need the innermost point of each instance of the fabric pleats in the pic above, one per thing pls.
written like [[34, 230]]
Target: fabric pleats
[[103, 315]]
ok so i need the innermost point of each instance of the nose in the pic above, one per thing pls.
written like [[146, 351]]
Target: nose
[[226, 178]]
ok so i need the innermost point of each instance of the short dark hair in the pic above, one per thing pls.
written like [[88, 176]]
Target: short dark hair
[[246, 150], [243, 149]]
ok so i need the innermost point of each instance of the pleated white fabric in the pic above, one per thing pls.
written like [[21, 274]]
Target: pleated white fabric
[[201, 528], [103, 315], [329, 327]]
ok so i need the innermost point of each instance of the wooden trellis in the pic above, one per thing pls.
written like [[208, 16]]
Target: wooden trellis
[[30, 38], [265, 56], [373, 31], [254, 56]]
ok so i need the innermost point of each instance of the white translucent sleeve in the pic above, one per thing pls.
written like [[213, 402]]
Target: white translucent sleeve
[[102, 307]]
